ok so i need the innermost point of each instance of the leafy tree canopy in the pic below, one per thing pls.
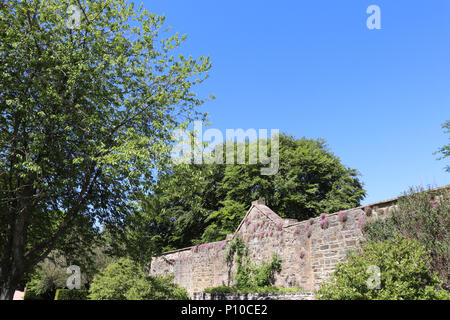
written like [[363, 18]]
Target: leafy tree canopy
[[86, 112], [205, 202]]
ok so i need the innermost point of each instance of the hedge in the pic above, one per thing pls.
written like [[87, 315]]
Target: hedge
[[66, 294], [262, 289], [30, 294]]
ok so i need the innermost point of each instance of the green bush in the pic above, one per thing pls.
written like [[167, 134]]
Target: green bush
[[264, 289], [67, 294], [221, 289], [31, 294], [44, 280], [125, 280], [404, 274], [264, 274], [423, 216]]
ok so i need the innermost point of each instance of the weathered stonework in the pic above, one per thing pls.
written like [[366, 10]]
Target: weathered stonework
[[309, 250]]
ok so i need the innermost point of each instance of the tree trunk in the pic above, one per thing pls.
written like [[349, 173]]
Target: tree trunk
[[7, 292]]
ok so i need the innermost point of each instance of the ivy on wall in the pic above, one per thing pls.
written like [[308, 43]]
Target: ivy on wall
[[249, 275]]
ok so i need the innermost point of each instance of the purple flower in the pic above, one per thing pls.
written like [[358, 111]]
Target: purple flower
[[342, 216], [308, 231], [324, 223], [362, 221]]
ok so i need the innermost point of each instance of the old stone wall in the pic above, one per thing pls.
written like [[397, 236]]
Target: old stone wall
[[309, 250]]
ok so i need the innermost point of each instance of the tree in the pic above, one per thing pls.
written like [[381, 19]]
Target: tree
[[195, 203], [125, 280], [86, 111], [445, 150], [394, 269]]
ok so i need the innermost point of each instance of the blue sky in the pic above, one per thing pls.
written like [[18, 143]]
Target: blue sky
[[313, 69]]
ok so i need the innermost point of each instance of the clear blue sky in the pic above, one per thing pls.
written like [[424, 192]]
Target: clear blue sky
[[313, 69]]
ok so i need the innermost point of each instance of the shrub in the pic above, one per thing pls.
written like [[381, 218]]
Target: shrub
[[45, 279], [156, 288], [264, 274], [31, 294], [221, 289], [404, 274], [125, 280], [265, 289], [67, 294], [423, 216]]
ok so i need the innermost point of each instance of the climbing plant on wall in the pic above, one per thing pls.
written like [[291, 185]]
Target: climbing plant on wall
[[249, 275]]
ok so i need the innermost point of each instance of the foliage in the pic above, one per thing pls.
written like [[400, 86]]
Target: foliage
[[125, 280], [46, 279], [85, 116], [221, 289], [201, 203], [404, 274], [445, 150], [32, 295], [422, 215], [66, 294], [248, 275], [157, 288], [51, 274], [265, 289], [264, 273]]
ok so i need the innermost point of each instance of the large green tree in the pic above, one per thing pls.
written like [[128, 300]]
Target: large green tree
[[88, 98], [205, 202]]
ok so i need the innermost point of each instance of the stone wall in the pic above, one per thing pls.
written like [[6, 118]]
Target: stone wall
[[309, 250]]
